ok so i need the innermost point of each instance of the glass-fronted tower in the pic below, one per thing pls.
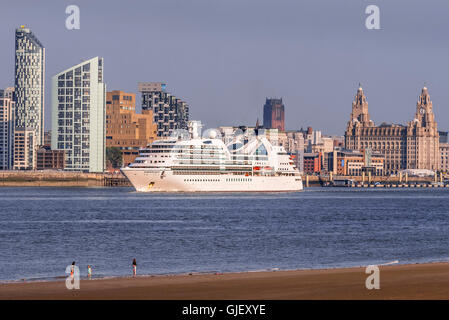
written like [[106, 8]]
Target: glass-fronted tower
[[78, 116], [29, 89]]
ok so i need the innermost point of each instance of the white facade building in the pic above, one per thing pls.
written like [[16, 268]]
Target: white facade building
[[6, 128], [24, 148], [79, 114]]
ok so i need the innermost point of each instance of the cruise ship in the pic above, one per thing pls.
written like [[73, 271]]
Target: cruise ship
[[209, 165]]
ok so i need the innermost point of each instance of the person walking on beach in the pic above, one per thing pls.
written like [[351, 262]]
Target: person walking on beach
[[89, 272], [134, 267], [72, 270]]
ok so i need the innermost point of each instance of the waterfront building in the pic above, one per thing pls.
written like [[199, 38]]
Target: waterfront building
[[125, 128], [47, 159], [170, 113], [6, 129], [24, 148], [78, 116], [274, 114], [443, 136], [339, 141], [355, 163], [293, 143], [315, 142], [312, 162], [325, 146], [29, 90], [444, 157], [411, 146]]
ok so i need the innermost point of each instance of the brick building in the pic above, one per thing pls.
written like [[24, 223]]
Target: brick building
[[312, 162], [125, 128], [49, 159]]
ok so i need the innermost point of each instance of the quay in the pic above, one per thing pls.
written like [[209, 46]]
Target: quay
[[55, 178], [397, 181]]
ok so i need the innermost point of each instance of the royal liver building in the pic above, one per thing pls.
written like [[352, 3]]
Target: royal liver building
[[29, 97], [414, 146]]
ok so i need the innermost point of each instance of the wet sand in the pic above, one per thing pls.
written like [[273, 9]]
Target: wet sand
[[417, 281]]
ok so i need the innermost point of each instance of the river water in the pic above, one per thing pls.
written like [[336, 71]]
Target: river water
[[42, 230]]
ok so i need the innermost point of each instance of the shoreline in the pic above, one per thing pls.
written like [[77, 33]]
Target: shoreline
[[399, 281], [210, 272], [61, 178]]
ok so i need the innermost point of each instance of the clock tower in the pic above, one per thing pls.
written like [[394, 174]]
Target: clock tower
[[424, 111], [422, 136]]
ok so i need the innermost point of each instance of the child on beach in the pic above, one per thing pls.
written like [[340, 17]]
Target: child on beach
[[134, 267], [89, 272]]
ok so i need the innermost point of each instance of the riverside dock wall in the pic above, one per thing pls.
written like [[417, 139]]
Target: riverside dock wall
[[50, 178], [376, 181]]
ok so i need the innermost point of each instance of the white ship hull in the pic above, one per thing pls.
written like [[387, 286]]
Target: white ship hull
[[147, 180]]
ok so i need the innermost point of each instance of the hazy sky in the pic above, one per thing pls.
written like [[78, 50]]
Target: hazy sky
[[224, 57]]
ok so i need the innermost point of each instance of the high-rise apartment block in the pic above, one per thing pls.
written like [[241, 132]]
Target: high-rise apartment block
[[6, 129], [170, 113], [125, 128], [274, 114], [24, 148], [78, 116], [29, 91]]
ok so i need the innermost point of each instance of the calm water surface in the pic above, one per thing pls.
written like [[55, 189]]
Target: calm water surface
[[42, 230]]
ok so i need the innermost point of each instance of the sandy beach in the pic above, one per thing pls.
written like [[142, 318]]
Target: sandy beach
[[417, 281]]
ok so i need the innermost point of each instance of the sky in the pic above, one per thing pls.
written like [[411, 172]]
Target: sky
[[225, 57]]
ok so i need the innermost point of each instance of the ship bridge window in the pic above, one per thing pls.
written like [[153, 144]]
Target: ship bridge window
[[207, 142]]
